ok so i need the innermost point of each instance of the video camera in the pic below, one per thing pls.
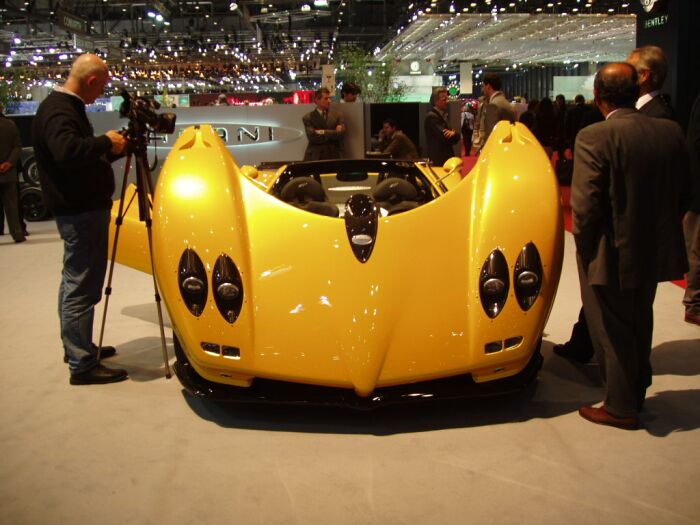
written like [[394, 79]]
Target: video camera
[[142, 110]]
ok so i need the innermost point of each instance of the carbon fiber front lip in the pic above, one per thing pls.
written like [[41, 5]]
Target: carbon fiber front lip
[[286, 393]]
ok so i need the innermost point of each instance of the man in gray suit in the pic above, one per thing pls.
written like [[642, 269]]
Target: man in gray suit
[[628, 196], [325, 128], [10, 153], [497, 107]]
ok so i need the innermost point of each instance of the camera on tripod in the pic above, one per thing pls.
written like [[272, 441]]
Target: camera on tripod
[[142, 111]]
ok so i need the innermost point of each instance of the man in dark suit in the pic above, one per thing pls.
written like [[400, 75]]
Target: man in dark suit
[[497, 106], [10, 152], [325, 128], [651, 65], [691, 299], [395, 142], [439, 136], [628, 197]]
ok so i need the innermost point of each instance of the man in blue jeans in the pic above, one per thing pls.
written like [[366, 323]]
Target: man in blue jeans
[[77, 181]]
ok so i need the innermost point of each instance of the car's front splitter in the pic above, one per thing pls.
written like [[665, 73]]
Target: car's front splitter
[[281, 392]]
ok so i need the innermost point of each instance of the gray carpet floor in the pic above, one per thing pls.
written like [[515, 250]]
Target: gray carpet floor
[[143, 451]]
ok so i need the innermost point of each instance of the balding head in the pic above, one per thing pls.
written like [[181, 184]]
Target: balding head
[[87, 65], [616, 86], [87, 77]]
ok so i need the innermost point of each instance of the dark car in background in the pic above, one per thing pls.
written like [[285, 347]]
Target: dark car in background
[[30, 197]]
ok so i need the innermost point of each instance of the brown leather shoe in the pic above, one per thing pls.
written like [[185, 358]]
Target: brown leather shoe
[[603, 417], [690, 317]]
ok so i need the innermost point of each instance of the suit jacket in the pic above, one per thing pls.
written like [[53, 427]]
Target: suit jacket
[[400, 147], [694, 149], [657, 108], [10, 148], [497, 109], [629, 193], [327, 145], [439, 148]]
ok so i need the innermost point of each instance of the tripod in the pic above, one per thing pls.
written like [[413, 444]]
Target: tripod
[[136, 147]]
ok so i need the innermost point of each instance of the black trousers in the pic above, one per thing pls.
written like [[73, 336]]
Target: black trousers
[[620, 323], [9, 197]]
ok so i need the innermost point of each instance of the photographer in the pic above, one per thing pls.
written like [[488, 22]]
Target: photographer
[[78, 182]]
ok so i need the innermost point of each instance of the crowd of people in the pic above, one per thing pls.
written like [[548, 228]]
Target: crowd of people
[[635, 200]]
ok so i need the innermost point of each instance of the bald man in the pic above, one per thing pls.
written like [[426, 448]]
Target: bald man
[[77, 181], [628, 195]]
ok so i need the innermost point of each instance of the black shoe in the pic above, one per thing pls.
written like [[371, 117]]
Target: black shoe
[[99, 375], [107, 351], [574, 353], [20, 240]]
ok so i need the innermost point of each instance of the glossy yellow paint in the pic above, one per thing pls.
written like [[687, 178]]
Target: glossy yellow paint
[[313, 313]]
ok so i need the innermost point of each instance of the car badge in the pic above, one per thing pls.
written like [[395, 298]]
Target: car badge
[[361, 239]]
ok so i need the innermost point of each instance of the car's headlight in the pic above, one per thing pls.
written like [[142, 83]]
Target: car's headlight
[[228, 288], [494, 283], [527, 276], [192, 279]]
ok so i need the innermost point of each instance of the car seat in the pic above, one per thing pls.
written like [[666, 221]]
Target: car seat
[[307, 194], [395, 195]]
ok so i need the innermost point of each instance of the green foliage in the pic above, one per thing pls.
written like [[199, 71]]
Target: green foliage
[[377, 79]]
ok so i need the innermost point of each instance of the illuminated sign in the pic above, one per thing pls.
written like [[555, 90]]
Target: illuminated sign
[[242, 134], [72, 23], [657, 21]]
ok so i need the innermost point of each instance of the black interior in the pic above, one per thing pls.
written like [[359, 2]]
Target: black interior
[[324, 187]]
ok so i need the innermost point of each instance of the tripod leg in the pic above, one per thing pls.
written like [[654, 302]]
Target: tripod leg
[[158, 307], [118, 222], [145, 185]]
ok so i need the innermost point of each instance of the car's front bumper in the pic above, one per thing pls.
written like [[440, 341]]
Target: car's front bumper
[[281, 392]]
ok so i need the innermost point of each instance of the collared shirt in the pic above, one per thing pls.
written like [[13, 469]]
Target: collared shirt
[[61, 89], [444, 114], [641, 101], [495, 93], [323, 113], [611, 113]]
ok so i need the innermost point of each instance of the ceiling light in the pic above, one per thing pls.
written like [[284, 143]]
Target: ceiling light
[[233, 6], [321, 3]]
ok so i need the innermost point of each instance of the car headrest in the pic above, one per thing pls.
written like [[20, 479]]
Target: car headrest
[[395, 190], [302, 189]]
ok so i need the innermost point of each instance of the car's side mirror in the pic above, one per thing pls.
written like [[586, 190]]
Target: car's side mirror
[[250, 171], [452, 164]]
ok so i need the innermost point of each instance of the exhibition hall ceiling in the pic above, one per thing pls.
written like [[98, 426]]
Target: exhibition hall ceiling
[[299, 36], [513, 38]]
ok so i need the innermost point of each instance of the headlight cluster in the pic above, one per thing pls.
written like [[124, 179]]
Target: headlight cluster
[[227, 285], [494, 281]]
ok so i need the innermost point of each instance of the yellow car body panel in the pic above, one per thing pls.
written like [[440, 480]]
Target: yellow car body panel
[[313, 313]]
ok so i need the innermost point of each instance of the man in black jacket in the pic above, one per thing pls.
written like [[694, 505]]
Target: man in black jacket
[[77, 181], [439, 136], [691, 299], [651, 65], [10, 152]]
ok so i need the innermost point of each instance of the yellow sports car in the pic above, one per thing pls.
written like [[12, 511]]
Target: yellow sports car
[[354, 282]]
